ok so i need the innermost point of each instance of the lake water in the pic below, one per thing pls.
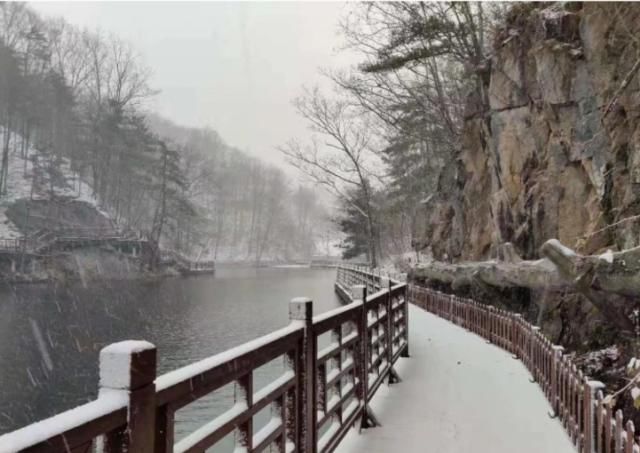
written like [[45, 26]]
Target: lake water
[[50, 336]]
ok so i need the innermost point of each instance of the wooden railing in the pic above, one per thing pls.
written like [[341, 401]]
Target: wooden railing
[[317, 398], [575, 399], [12, 245], [350, 275], [41, 239]]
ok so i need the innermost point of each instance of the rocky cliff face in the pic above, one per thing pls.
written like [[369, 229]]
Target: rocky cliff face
[[544, 161], [550, 156]]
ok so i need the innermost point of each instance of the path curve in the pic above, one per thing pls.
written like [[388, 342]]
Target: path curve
[[458, 394]]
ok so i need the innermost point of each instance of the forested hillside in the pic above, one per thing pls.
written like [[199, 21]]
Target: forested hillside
[[74, 124]]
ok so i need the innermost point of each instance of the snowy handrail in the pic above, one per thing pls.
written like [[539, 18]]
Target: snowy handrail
[[325, 391], [577, 401]]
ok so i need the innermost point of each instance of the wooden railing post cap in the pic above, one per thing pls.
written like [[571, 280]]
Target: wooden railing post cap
[[301, 309], [557, 347], [127, 365]]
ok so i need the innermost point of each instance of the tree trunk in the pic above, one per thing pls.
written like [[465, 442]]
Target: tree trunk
[[603, 279]]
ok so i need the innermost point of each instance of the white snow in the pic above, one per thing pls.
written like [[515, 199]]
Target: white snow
[[347, 388], [274, 424], [553, 13], [375, 295], [485, 403], [331, 375], [211, 427], [20, 178], [266, 390], [350, 337], [352, 406], [333, 402], [607, 256], [21, 439], [337, 311], [329, 349], [566, 251], [115, 362], [326, 437]]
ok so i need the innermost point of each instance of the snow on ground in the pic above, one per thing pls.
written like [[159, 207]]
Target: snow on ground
[[458, 394], [20, 178]]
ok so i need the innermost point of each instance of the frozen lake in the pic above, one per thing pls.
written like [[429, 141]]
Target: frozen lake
[[50, 337]]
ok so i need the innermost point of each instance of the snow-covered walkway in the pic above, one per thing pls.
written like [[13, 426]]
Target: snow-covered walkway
[[458, 394]]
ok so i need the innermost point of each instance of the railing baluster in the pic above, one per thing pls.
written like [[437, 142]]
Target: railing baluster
[[367, 420], [293, 399], [631, 436], [393, 376], [164, 429], [301, 309], [279, 410], [405, 308], [599, 422], [591, 424], [336, 336], [244, 394], [618, 432], [608, 428], [322, 387]]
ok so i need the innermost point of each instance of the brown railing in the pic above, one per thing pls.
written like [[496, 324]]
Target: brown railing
[[575, 399], [350, 275], [316, 399]]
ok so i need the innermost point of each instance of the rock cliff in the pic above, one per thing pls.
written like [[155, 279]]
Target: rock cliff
[[552, 152], [543, 160]]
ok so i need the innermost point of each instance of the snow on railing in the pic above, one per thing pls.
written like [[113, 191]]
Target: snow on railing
[[325, 391], [576, 400]]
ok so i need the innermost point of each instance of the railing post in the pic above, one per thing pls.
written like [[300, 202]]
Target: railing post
[[555, 362], [385, 283], [532, 352], [301, 309], [515, 339], [590, 389], [367, 419], [405, 305], [130, 366]]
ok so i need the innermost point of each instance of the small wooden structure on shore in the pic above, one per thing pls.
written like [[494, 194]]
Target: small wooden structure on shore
[[135, 245]]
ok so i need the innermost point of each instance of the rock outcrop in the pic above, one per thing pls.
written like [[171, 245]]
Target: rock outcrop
[[544, 161], [555, 154]]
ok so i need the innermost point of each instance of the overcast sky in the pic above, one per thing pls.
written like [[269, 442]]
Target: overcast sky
[[232, 66]]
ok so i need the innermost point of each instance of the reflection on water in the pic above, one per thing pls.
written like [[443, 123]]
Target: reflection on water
[[50, 337]]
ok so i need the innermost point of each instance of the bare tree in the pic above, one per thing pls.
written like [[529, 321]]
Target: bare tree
[[341, 157]]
